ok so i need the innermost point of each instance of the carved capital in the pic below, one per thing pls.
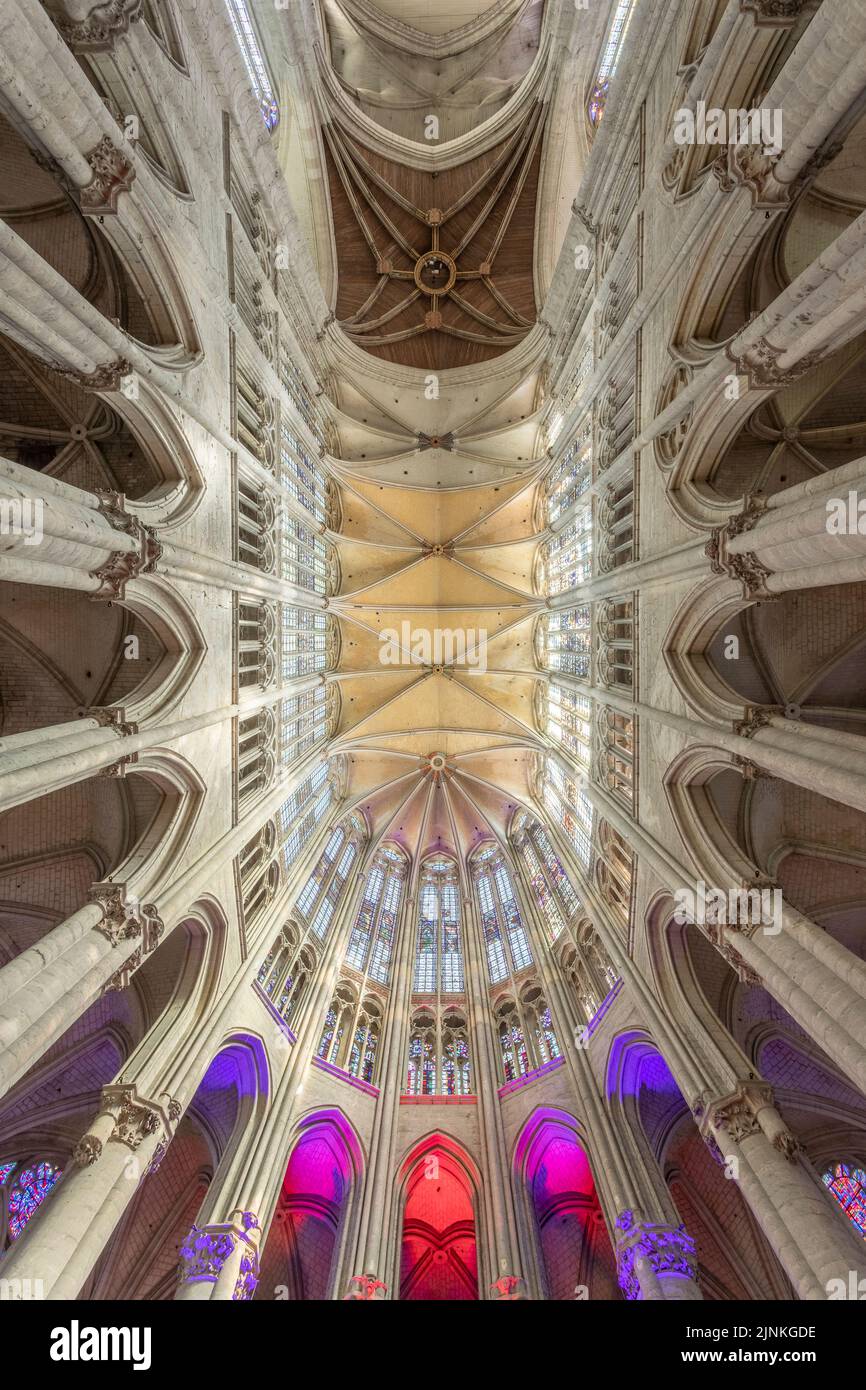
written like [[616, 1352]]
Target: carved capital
[[760, 363], [105, 24], [774, 13], [121, 566], [113, 174], [757, 717], [106, 377], [743, 566], [736, 1115], [669, 1252]]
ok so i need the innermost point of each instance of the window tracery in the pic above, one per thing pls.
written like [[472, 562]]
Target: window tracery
[[372, 938], [254, 61], [502, 927]]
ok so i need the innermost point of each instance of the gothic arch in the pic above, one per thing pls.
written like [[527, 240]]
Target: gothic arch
[[312, 1230], [559, 1215], [445, 1233]]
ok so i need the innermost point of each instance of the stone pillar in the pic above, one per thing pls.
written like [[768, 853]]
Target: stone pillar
[[69, 538], [374, 1242], [51, 984], [504, 1246], [64, 1239], [746, 1133]]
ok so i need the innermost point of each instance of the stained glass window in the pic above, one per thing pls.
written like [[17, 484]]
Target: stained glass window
[[570, 807], [848, 1186], [609, 59], [327, 1039], [28, 1191], [438, 956], [301, 475], [304, 635], [569, 717], [304, 556], [572, 474], [566, 640], [5, 1170], [254, 61], [303, 723], [501, 921], [373, 933], [567, 556]]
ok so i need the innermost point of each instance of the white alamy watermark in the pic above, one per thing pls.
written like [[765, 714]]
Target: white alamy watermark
[[738, 907], [441, 646], [77, 1343], [21, 1290], [711, 125], [22, 516], [846, 516]]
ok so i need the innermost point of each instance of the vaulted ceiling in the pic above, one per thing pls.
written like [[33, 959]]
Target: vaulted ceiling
[[434, 261], [431, 129], [440, 741]]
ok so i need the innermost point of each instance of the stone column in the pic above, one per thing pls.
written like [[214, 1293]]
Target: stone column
[[374, 1242], [746, 1133], [47, 987], [502, 1234], [64, 1239], [68, 538]]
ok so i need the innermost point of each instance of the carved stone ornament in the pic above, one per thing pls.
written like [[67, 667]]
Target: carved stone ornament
[[736, 1115], [106, 377], [121, 566], [756, 718], [668, 1250], [103, 26], [509, 1289], [87, 1151], [745, 566], [365, 1288], [776, 13], [113, 174], [760, 363]]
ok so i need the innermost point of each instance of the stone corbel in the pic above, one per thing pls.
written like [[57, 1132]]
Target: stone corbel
[[99, 30]]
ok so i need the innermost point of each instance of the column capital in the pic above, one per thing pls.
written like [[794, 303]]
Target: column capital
[[121, 566], [223, 1254], [127, 1118], [113, 174], [649, 1250], [746, 1111], [98, 32]]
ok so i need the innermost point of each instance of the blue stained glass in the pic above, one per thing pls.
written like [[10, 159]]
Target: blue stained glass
[[29, 1191], [848, 1187]]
